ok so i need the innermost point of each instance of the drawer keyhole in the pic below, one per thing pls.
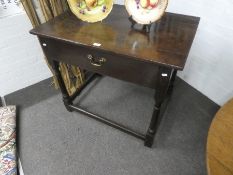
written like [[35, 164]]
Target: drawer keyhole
[[96, 61]]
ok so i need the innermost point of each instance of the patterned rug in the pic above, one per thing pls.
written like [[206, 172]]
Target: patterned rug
[[7, 140]]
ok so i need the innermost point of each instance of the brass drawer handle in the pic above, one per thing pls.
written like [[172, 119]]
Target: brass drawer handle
[[96, 62]]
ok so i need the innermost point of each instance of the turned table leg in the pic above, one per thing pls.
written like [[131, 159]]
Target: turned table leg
[[173, 78], [160, 94], [66, 98]]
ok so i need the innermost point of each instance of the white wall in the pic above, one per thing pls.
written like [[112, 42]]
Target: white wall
[[210, 63], [21, 58], [209, 66]]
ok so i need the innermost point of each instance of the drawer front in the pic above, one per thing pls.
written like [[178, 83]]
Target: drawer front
[[105, 63]]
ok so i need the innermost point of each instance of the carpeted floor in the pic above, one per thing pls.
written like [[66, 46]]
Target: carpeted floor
[[56, 142]]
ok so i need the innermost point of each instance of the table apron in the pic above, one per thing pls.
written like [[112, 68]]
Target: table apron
[[113, 65]]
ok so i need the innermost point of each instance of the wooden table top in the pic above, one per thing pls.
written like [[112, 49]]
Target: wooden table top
[[168, 43], [220, 142]]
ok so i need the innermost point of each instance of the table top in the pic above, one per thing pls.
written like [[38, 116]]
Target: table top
[[220, 142], [167, 44]]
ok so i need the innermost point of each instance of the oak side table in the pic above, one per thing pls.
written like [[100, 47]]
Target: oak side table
[[113, 48]]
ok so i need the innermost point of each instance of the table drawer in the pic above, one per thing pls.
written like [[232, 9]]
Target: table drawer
[[105, 63]]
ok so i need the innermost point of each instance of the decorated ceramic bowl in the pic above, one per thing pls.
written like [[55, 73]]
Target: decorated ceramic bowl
[[91, 10], [146, 11]]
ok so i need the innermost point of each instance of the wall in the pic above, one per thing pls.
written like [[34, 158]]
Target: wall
[[21, 58], [209, 66]]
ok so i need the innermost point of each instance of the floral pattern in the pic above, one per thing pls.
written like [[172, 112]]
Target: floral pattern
[[146, 11], [7, 141], [91, 10]]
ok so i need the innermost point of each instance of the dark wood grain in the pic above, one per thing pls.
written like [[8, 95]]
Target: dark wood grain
[[167, 44]]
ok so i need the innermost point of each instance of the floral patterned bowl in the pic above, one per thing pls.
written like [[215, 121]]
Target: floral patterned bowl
[[146, 11], [91, 10]]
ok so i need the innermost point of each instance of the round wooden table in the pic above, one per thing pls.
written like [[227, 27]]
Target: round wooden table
[[220, 142]]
